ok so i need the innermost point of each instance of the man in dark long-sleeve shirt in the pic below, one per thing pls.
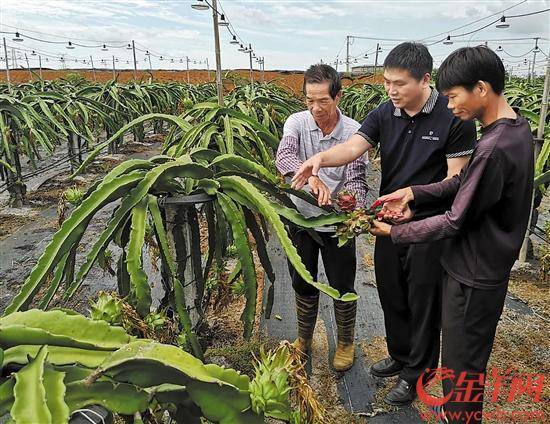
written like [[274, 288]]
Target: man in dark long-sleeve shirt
[[485, 224]]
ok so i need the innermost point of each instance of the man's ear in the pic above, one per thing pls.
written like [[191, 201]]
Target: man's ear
[[338, 96], [483, 88], [426, 79]]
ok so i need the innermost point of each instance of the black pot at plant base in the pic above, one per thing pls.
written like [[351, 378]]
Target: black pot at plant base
[[190, 199]]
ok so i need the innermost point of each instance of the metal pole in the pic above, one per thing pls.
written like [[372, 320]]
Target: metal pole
[[114, 70], [208, 69], [93, 69], [540, 135], [7, 65], [150, 66], [14, 61], [376, 59], [28, 66], [187, 60], [347, 53], [219, 85], [534, 57], [250, 60], [40, 66], [544, 104], [263, 69], [135, 61]]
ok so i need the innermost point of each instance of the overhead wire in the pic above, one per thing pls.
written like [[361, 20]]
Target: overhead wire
[[476, 21]]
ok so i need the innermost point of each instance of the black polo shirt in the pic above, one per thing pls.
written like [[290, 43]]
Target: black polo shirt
[[414, 150]]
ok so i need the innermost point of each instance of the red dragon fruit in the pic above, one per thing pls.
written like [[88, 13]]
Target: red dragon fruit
[[346, 201]]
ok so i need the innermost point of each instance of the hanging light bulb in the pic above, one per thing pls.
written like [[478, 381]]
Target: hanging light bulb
[[171, 60], [200, 5], [242, 49], [33, 53], [17, 37], [499, 48], [448, 40], [502, 23], [104, 48], [234, 40], [222, 21], [127, 62], [160, 58], [128, 46], [147, 53], [181, 60], [70, 46]]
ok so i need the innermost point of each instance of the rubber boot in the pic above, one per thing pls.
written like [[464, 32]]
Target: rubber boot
[[306, 312], [345, 322]]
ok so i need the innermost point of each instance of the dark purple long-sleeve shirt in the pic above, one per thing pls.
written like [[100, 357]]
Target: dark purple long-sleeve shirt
[[490, 211]]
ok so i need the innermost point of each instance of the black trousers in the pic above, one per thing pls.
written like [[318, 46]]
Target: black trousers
[[408, 279], [469, 321], [340, 262]]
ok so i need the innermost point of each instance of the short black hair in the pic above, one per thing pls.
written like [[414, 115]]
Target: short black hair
[[412, 57], [467, 66], [320, 73]]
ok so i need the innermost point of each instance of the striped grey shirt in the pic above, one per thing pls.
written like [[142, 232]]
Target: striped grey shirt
[[302, 138]]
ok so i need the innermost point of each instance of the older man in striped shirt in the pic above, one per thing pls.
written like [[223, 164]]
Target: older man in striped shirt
[[305, 134]]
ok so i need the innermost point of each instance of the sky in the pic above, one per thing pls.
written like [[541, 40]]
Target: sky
[[289, 35]]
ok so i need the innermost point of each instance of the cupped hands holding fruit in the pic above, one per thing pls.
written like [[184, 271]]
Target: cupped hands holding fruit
[[394, 208]]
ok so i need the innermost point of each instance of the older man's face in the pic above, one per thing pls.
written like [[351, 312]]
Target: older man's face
[[320, 104]]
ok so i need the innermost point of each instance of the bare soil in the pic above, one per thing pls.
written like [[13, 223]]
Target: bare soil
[[290, 79]]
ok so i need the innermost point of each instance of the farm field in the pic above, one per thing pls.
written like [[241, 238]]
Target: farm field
[[292, 80], [87, 223], [274, 212]]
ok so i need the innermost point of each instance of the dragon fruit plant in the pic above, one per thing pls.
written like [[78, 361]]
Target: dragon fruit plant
[[359, 220]]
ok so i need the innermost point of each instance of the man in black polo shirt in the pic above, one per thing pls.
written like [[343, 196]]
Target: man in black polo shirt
[[420, 142], [485, 224]]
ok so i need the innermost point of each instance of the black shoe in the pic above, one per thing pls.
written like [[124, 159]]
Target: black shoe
[[402, 393], [387, 367]]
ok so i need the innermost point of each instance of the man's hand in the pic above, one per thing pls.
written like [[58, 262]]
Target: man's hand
[[319, 190], [396, 206], [380, 229], [309, 168]]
